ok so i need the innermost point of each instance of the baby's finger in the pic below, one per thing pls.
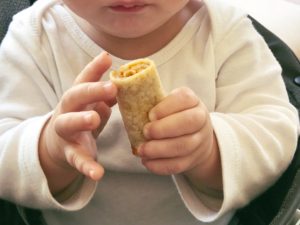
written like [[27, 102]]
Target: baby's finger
[[104, 112], [78, 97], [171, 147], [180, 99], [69, 124], [85, 164], [178, 124], [95, 69], [170, 166]]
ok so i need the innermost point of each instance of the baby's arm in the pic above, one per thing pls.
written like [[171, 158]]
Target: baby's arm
[[67, 146], [32, 83], [28, 96], [255, 125]]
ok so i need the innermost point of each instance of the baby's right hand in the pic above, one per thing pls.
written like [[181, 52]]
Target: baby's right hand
[[67, 144]]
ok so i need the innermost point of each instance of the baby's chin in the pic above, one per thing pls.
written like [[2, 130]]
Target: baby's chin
[[131, 33]]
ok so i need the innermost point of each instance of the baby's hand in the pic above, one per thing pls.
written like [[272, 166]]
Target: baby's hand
[[180, 134], [67, 141]]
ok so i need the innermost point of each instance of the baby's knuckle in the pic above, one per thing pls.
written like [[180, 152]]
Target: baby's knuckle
[[79, 164], [74, 160], [195, 139], [66, 99], [57, 125], [173, 168], [154, 130], [179, 148], [192, 119], [70, 157], [153, 168], [186, 95], [147, 150], [197, 116], [89, 89]]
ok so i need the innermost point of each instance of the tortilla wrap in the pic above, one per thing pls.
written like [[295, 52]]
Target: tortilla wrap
[[139, 90]]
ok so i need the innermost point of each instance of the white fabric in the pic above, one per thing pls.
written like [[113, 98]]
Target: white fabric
[[218, 54], [282, 17]]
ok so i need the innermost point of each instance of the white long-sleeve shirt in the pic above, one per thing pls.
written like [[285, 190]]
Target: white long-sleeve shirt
[[218, 54]]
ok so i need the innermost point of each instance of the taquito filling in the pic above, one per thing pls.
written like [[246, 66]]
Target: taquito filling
[[131, 69]]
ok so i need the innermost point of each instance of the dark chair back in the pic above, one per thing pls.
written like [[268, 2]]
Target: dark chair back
[[8, 8]]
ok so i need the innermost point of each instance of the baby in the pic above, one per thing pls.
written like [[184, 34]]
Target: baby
[[224, 126]]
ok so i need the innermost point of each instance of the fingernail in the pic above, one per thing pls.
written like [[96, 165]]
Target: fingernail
[[146, 131], [92, 174], [140, 150], [107, 85], [103, 54], [152, 116], [88, 117]]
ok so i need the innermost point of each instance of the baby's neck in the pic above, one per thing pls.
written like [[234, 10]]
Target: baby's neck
[[132, 48]]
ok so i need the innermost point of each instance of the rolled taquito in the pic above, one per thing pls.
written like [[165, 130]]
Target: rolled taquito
[[139, 90]]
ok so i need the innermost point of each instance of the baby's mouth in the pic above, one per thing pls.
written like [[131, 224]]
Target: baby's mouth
[[128, 7]]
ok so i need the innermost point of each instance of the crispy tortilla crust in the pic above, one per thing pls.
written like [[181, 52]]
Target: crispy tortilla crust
[[139, 89]]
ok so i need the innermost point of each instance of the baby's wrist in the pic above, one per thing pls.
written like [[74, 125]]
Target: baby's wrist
[[59, 174], [208, 171]]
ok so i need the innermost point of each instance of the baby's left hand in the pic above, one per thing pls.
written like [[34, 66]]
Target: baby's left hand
[[180, 135]]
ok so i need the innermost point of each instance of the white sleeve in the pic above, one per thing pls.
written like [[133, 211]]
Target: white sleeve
[[27, 98], [255, 125]]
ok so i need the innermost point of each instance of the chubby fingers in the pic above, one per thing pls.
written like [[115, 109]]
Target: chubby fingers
[[176, 155], [79, 96], [180, 99], [68, 125], [177, 124], [179, 134], [170, 166], [173, 147], [178, 114]]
